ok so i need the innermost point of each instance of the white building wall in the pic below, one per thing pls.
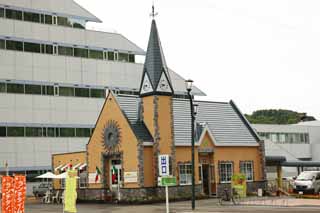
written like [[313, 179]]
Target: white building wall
[[36, 152], [66, 35], [37, 109]]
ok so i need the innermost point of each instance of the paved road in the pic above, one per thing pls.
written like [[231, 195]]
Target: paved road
[[202, 206]]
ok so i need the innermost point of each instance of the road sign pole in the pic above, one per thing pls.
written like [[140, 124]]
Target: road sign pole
[[167, 198]]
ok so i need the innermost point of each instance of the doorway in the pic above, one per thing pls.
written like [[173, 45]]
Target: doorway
[[206, 179]]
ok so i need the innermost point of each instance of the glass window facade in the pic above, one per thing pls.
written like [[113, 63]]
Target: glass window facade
[[64, 21], [3, 132], [285, 137], [246, 168], [97, 93], [67, 51], [67, 132], [225, 172], [32, 47], [15, 132], [2, 44], [82, 92], [33, 89], [14, 14], [14, 45], [96, 54], [83, 132], [80, 52], [64, 50], [1, 12], [66, 91], [33, 132], [48, 19], [33, 17], [15, 88], [185, 174]]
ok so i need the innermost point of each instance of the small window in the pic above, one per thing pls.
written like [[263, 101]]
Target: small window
[[67, 132], [33, 132], [97, 93], [13, 14], [105, 55], [15, 88], [111, 56], [68, 51], [2, 44], [63, 21], [48, 19], [33, 89], [1, 12], [132, 58], [80, 52], [31, 47], [14, 45], [246, 168], [66, 91], [51, 132], [15, 131], [82, 92], [3, 131], [225, 172], [3, 87], [57, 132], [123, 57], [83, 132], [33, 17], [185, 174], [95, 54]]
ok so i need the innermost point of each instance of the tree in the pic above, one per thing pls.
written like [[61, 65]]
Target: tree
[[280, 116]]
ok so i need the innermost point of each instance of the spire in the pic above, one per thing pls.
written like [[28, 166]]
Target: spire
[[155, 78]]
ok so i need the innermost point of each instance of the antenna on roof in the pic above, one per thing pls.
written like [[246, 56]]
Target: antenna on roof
[[153, 14]]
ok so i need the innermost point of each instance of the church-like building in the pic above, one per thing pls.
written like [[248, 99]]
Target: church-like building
[[121, 157]]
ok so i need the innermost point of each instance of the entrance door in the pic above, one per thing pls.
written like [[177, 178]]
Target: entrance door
[[205, 179], [115, 172]]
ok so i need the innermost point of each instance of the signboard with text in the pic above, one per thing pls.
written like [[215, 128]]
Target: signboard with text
[[164, 169], [130, 177], [239, 185]]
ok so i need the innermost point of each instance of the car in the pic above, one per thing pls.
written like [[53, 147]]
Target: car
[[307, 182], [41, 189]]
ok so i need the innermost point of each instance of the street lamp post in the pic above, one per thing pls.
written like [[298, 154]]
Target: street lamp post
[[189, 88]]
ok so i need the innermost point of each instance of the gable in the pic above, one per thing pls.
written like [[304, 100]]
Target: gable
[[111, 113]]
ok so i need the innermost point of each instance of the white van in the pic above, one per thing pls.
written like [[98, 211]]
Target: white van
[[307, 182]]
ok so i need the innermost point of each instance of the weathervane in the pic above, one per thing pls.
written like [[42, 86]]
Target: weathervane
[[153, 14]]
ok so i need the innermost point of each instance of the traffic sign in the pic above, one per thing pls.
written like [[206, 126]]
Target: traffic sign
[[168, 181]]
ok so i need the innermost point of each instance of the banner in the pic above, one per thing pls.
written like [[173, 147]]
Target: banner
[[239, 185], [70, 198], [7, 203], [19, 193]]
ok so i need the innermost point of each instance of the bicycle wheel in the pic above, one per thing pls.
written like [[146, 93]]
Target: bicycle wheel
[[236, 200]]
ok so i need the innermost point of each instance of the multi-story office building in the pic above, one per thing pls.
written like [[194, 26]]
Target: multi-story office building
[[299, 142], [53, 77]]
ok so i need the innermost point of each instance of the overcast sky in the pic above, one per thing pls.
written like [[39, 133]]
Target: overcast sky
[[263, 54]]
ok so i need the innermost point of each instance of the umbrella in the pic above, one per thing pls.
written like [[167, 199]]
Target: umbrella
[[48, 175]]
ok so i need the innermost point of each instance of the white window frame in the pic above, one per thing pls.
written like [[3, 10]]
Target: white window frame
[[187, 176], [244, 169], [54, 20], [226, 175]]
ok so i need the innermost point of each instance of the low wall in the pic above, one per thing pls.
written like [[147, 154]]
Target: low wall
[[138, 194]]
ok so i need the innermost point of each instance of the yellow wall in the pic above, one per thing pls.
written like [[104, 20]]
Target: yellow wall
[[148, 167], [148, 113], [183, 156], [235, 154], [128, 141], [165, 123], [66, 158]]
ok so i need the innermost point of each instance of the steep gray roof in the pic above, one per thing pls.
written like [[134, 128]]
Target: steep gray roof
[[130, 107], [155, 63], [226, 124]]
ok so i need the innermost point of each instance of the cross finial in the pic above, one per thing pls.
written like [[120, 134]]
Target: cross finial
[[153, 14]]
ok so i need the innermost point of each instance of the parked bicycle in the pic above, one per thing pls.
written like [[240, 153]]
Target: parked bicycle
[[227, 197]]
